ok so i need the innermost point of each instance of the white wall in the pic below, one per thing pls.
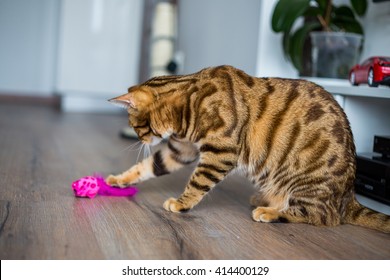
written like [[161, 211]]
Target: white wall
[[377, 29], [28, 46], [270, 59], [219, 32], [85, 50], [99, 45], [98, 56]]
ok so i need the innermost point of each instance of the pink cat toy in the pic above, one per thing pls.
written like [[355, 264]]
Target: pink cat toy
[[90, 186]]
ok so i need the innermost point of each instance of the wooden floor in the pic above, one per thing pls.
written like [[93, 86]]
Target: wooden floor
[[42, 151]]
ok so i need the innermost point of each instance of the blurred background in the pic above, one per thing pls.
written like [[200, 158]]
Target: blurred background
[[83, 52]]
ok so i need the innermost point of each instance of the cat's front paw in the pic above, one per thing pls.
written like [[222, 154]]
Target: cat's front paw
[[113, 180], [173, 205]]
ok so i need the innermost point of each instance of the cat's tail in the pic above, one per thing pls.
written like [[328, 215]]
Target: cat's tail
[[357, 214]]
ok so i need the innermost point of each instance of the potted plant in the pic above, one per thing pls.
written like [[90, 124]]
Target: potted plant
[[319, 38]]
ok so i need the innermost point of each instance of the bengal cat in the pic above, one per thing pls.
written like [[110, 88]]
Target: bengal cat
[[290, 137]]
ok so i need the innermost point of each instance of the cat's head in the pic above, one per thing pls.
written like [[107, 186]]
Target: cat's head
[[139, 103]]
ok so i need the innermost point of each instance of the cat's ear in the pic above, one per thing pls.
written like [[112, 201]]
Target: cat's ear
[[136, 99], [124, 101]]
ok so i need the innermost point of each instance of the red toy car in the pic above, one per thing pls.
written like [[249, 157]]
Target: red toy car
[[373, 71]]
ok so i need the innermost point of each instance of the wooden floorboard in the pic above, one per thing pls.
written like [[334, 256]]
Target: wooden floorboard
[[42, 151]]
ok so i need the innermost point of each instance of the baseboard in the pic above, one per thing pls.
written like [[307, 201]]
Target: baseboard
[[51, 100]]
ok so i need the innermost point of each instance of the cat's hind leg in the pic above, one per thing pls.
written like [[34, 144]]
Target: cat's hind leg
[[273, 215], [257, 200], [270, 207], [267, 215], [316, 212]]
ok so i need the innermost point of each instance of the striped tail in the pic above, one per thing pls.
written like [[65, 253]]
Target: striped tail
[[360, 215]]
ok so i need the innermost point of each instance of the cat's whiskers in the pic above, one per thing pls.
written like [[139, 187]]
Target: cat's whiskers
[[131, 148], [139, 151], [147, 151]]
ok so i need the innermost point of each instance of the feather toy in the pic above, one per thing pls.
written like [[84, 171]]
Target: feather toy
[[90, 186]]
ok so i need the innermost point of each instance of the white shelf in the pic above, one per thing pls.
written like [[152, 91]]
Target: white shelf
[[343, 87]]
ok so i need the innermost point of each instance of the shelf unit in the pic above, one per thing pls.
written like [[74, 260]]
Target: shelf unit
[[343, 87]]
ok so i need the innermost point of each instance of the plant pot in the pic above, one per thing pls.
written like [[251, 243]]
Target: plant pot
[[334, 53]]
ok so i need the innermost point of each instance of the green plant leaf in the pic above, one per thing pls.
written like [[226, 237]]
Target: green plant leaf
[[322, 5], [286, 12], [360, 6], [348, 25], [297, 42], [286, 44], [344, 11], [312, 12]]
